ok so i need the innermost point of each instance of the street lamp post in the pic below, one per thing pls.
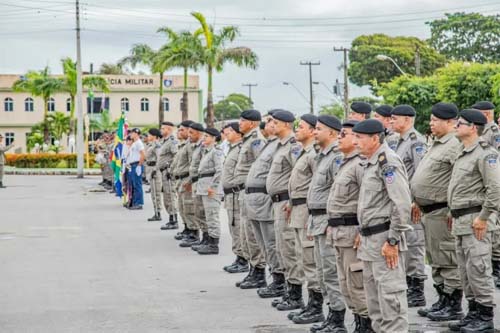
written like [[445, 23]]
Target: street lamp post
[[383, 57]]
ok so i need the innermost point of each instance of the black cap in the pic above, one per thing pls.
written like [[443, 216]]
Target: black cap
[[350, 123], [369, 126], [474, 116], [484, 106], [197, 127], [212, 131], [283, 115], [404, 110], [135, 130], [155, 132], [252, 115], [128, 138], [271, 112], [262, 125], [361, 107], [330, 121], [310, 119], [167, 123], [186, 123], [384, 110], [234, 126], [445, 110]]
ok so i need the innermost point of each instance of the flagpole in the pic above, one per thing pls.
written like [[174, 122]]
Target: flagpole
[[79, 104]]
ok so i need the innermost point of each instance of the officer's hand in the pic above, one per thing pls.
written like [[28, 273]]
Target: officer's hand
[[153, 173], [188, 187], [357, 241], [450, 223], [480, 227], [138, 170], [391, 255], [287, 211], [211, 192], [415, 213]]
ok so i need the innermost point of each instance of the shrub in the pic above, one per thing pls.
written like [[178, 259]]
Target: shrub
[[45, 160]]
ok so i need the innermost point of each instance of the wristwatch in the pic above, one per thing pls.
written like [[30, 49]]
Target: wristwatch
[[392, 241]]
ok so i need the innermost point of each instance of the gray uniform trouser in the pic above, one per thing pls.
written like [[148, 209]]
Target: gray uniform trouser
[[199, 211], [155, 183], [285, 245], [248, 240], [415, 256], [186, 208], [474, 263], [386, 296], [211, 207], [1, 172], [107, 172], [232, 205], [495, 255], [169, 195], [441, 250], [266, 238]]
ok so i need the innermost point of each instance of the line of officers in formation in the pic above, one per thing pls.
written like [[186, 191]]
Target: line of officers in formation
[[350, 210]]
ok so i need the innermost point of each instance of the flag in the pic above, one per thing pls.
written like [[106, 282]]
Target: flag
[[116, 156]]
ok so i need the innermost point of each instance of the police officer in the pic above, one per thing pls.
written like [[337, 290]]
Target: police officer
[[252, 144], [209, 187], [383, 114], [327, 161], [343, 227], [165, 160], [411, 148], [473, 196], [3, 150], [491, 135], [298, 186], [360, 111], [384, 208], [153, 173], [287, 152], [231, 202], [429, 187]]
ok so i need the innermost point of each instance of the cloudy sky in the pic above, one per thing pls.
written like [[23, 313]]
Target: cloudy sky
[[36, 33]]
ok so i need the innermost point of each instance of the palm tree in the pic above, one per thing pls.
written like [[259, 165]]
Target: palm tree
[[183, 50], [216, 54], [104, 122], [111, 69], [59, 124], [40, 84]]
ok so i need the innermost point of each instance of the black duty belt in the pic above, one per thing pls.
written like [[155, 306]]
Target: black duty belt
[[205, 175], [456, 213], [278, 197], [184, 175], [249, 190], [317, 212], [151, 163], [343, 221], [235, 189], [299, 201], [375, 229], [430, 208], [194, 179]]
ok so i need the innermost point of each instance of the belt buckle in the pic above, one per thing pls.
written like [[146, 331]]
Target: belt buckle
[[276, 197]]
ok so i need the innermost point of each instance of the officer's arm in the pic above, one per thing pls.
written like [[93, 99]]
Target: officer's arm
[[398, 190], [418, 150], [218, 157], [488, 167]]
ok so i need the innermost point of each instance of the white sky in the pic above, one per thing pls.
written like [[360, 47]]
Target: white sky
[[35, 33]]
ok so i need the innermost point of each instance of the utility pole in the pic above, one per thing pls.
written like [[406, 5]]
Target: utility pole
[[310, 64], [79, 104], [346, 80], [250, 85], [417, 60]]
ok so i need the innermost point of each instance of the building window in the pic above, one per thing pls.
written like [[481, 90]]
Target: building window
[[51, 105], [8, 104], [68, 105], [9, 138], [166, 104], [29, 105], [144, 104], [125, 106]]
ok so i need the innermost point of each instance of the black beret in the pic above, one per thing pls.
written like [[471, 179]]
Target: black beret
[[445, 110], [262, 125], [197, 127], [369, 126], [283, 115], [361, 107], [235, 126], [474, 116], [484, 106], [136, 130], [404, 110], [384, 110], [212, 131], [330, 121], [310, 119], [128, 138], [155, 132], [167, 123], [186, 123], [252, 115], [271, 112], [350, 123]]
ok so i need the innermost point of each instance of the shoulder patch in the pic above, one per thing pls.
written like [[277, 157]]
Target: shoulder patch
[[317, 148], [497, 138], [420, 149], [382, 159], [295, 151], [389, 174], [484, 144], [492, 160], [494, 129], [293, 140], [338, 160], [413, 136], [255, 134]]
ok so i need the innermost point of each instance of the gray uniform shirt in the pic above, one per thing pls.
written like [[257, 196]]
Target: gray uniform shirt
[[3, 150], [392, 139], [251, 146], [430, 182], [411, 149], [491, 135], [229, 178], [182, 161], [302, 173], [195, 160], [475, 181], [284, 158], [167, 152], [257, 176], [211, 162]]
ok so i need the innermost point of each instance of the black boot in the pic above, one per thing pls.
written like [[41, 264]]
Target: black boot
[[249, 276], [336, 323], [294, 300], [495, 264], [483, 322], [203, 242], [180, 235], [172, 223], [436, 306], [313, 312], [257, 281], [283, 298], [365, 325], [212, 246], [1, 185], [235, 262], [275, 289], [240, 267], [357, 323], [451, 311], [156, 217], [471, 315], [190, 239], [418, 297]]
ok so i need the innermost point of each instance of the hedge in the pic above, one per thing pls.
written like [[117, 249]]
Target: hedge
[[45, 160]]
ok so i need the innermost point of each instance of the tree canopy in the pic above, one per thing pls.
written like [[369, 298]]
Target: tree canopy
[[229, 108]]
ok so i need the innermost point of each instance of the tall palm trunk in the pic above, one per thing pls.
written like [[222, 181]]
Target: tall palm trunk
[[161, 114], [184, 104], [210, 102], [72, 119], [46, 136]]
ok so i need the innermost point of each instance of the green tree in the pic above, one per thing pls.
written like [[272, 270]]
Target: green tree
[[104, 122], [335, 109], [108, 68], [231, 107], [366, 69], [216, 54], [59, 124], [40, 84], [467, 36]]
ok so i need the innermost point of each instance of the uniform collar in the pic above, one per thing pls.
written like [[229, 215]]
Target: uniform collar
[[249, 134], [285, 140], [406, 135], [330, 148], [489, 126], [309, 147], [472, 147], [232, 145], [375, 157], [445, 138]]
